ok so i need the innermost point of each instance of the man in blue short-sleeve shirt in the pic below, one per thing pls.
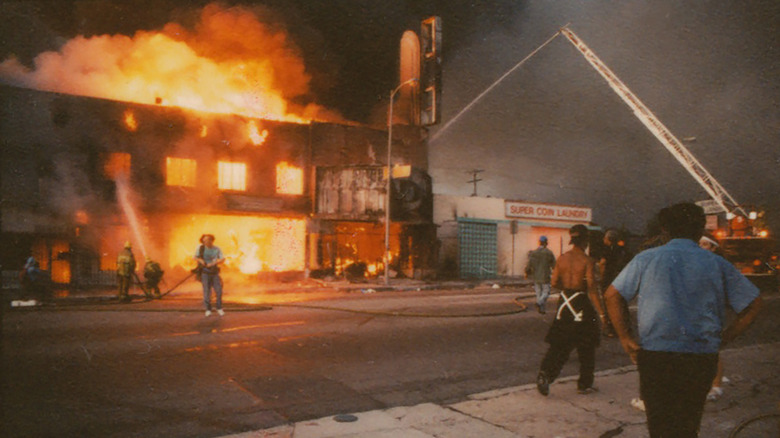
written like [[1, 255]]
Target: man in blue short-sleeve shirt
[[682, 292]]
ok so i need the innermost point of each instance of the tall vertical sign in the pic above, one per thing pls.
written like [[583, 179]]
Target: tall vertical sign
[[430, 80]]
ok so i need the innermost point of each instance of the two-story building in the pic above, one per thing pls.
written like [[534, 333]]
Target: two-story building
[[80, 176]]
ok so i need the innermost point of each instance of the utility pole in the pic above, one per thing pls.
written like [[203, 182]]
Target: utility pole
[[474, 180]]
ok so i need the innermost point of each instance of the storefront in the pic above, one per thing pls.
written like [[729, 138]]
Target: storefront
[[491, 237]]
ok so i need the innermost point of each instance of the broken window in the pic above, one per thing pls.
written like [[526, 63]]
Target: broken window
[[180, 172], [231, 176]]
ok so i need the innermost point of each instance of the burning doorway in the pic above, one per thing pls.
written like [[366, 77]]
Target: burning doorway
[[251, 244]]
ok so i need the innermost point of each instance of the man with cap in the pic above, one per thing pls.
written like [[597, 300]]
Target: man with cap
[[541, 261], [682, 291], [209, 257], [576, 323], [125, 269]]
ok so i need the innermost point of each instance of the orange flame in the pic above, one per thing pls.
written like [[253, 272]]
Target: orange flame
[[231, 63], [255, 135], [250, 244], [204, 131], [130, 122]]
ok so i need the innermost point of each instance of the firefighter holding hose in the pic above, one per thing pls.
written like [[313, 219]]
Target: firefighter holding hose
[[153, 274], [125, 269]]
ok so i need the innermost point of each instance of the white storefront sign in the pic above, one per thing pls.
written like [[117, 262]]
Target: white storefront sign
[[528, 210]]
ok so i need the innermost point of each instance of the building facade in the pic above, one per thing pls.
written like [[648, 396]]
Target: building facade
[[491, 237], [80, 176]]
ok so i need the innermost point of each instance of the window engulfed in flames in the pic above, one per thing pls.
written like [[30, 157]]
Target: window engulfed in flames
[[180, 172], [250, 244], [231, 176], [289, 179]]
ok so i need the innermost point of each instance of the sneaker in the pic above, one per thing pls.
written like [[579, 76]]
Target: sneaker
[[208, 313], [221, 312], [714, 394], [638, 404], [586, 391], [543, 383]]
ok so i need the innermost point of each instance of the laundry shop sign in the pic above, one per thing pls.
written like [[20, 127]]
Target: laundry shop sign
[[528, 210]]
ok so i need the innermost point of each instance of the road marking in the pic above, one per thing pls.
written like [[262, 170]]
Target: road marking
[[227, 330]]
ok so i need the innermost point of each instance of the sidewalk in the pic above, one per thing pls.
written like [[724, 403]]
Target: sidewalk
[[522, 412]]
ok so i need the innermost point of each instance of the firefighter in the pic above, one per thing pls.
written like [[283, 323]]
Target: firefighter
[[153, 275], [125, 269]]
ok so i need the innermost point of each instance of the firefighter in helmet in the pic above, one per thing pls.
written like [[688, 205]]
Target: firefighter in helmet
[[153, 275], [125, 269]]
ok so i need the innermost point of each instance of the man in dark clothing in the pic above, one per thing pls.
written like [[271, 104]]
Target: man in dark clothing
[[613, 260], [125, 269], [541, 261], [576, 323], [683, 292], [153, 274]]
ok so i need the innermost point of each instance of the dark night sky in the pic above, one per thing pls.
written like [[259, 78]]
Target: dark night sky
[[553, 131]]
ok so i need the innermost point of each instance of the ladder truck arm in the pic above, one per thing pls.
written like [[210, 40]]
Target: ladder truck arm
[[661, 132]]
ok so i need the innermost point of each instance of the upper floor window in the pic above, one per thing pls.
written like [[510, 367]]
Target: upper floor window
[[289, 179], [231, 176], [180, 171]]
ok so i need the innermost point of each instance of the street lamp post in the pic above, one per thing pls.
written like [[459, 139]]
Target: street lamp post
[[390, 176]]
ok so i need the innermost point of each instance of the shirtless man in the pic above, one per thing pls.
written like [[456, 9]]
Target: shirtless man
[[576, 323]]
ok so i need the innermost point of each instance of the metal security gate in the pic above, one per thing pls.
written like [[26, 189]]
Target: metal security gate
[[477, 242]]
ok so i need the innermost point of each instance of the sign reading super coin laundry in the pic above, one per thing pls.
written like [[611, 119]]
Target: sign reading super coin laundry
[[527, 210]]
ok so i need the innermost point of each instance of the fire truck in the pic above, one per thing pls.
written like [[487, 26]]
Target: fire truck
[[746, 242]]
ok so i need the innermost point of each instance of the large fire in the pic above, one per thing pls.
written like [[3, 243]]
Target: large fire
[[250, 244], [231, 63]]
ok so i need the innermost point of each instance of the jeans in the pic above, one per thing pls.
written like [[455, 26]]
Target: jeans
[[674, 388], [542, 293], [210, 281]]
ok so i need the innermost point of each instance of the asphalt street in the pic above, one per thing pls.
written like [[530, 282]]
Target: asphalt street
[[163, 369]]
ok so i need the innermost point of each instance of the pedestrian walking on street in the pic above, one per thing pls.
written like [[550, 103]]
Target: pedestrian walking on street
[[613, 260], [576, 323], [683, 291], [125, 270], [209, 257], [541, 262]]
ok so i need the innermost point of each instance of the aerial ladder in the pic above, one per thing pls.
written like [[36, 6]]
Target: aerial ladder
[[661, 132]]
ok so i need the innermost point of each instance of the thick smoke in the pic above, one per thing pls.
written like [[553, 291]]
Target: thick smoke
[[231, 61]]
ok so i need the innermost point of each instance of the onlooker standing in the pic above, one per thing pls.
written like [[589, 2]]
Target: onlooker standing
[[541, 262], [614, 259], [683, 291], [209, 257], [576, 323], [710, 244]]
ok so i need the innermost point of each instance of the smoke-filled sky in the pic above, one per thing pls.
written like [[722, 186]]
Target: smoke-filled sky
[[552, 131]]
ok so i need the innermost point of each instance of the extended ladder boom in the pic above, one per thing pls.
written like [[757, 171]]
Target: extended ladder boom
[[680, 152]]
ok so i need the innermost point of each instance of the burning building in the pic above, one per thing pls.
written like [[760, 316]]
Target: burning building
[[82, 175], [159, 137]]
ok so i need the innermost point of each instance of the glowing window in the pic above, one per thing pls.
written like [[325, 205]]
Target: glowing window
[[180, 172], [118, 163], [231, 176], [289, 179]]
